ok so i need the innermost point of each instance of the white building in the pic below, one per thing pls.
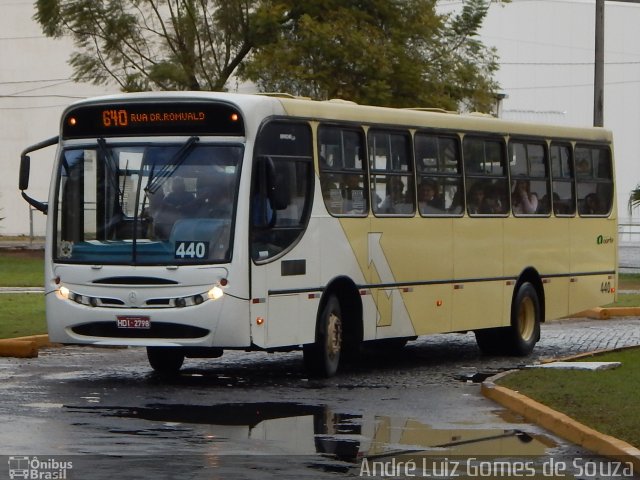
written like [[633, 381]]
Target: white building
[[35, 87], [546, 50]]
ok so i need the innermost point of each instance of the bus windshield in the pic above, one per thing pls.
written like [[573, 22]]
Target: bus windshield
[[142, 204]]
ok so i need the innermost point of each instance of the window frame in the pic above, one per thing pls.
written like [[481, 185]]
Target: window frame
[[472, 179], [390, 173], [442, 178], [324, 168], [571, 180], [593, 179], [526, 142], [305, 215]]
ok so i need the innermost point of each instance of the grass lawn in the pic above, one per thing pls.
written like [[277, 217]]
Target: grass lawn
[[626, 300], [629, 281], [606, 401], [22, 314], [21, 268]]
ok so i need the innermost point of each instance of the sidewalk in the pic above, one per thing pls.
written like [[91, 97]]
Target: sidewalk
[[560, 423], [21, 289], [25, 243]]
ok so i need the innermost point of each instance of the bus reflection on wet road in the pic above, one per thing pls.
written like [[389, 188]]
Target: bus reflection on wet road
[[311, 435]]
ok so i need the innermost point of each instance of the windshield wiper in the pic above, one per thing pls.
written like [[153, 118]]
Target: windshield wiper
[[171, 166], [111, 163]]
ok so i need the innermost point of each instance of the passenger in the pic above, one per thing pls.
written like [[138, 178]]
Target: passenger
[[172, 207], [395, 201], [178, 199], [522, 200], [558, 205], [591, 205], [583, 169], [476, 200], [429, 200], [493, 202]]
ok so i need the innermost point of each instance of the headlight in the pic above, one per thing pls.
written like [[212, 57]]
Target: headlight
[[64, 291], [215, 293]]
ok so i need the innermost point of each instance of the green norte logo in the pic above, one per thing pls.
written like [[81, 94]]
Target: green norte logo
[[602, 240]]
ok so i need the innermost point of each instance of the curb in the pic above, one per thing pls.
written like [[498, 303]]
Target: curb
[[559, 423], [24, 347], [605, 313]]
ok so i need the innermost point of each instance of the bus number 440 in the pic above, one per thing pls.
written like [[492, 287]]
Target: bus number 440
[[192, 250], [605, 287]]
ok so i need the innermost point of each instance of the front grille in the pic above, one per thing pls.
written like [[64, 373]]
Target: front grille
[[157, 330], [135, 281], [110, 302]]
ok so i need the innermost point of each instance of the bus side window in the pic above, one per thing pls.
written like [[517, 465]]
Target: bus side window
[[342, 170], [281, 193], [439, 169], [529, 178], [392, 181], [594, 180], [563, 188], [486, 176]]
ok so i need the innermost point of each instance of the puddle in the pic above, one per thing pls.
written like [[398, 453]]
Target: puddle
[[307, 429], [44, 405]]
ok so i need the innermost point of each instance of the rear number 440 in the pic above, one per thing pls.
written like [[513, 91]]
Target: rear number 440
[[605, 287], [192, 250]]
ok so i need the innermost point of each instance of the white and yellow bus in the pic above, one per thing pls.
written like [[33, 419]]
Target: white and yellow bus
[[190, 223]]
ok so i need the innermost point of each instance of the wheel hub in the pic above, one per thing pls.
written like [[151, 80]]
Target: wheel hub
[[526, 319], [334, 335]]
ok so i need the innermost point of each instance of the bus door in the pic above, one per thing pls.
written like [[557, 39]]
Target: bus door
[[283, 261]]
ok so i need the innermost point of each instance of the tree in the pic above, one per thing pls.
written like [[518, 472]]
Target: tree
[[634, 199], [399, 53], [153, 44]]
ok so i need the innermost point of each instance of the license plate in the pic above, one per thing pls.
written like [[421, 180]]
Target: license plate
[[132, 321]]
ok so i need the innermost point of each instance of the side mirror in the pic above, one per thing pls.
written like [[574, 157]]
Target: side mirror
[[25, 168], [23, 184]]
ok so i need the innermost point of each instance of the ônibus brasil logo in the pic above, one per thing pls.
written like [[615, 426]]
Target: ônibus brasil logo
[[38, 469]]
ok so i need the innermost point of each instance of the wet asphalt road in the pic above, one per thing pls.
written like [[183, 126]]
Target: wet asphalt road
[[257, 415]]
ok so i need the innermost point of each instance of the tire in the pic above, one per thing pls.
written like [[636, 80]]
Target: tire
[[526, 316], [521, 336], [322, 358], [165, 360]]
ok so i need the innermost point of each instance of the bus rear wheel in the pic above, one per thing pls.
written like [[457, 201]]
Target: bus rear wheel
[[165, 360], [322, 357], [525, 320], [521, 336]]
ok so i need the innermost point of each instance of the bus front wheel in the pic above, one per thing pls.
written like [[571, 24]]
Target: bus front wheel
[[165, 360], [524, 332], [322, 357]]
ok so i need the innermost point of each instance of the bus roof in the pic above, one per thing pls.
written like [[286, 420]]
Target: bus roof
[[342, 110]]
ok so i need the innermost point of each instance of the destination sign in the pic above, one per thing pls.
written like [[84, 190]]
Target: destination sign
[[191, 118]]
